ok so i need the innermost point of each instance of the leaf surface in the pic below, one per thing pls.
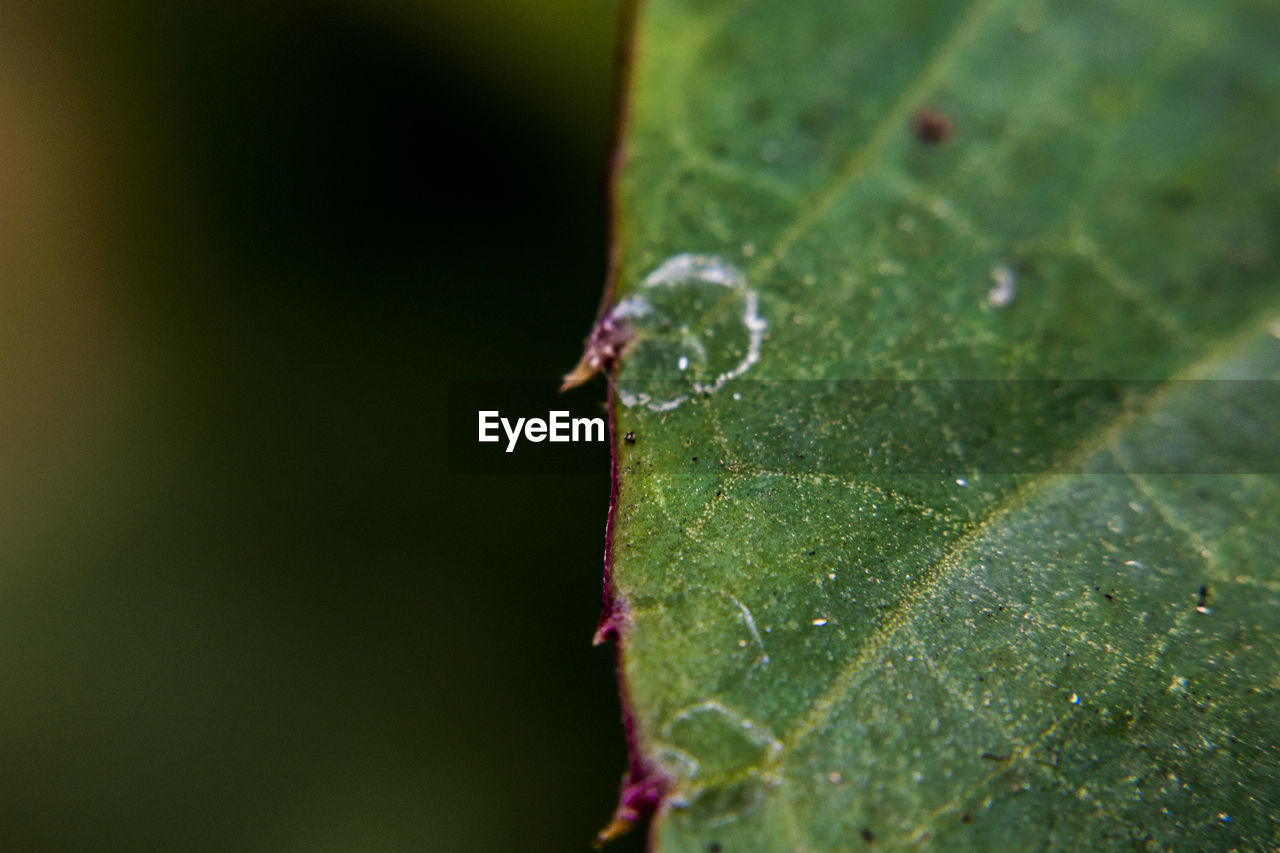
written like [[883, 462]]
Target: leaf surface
[[947, 492]]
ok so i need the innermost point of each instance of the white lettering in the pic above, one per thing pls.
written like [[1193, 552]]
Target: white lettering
[[559, 426], [587, 424], [513, 435], [486, 424]]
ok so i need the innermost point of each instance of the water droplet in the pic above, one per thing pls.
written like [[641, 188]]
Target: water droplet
[[819, 622], [1075, 699], [1006, 287], [720, 741], [695, 314], [961, 482]]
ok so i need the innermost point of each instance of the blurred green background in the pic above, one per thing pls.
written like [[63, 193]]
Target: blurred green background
[[244, 248]]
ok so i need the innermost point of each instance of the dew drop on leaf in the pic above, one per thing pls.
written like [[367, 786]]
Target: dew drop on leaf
[[694, 325]]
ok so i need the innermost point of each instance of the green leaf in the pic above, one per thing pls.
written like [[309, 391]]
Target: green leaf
[[948, 502]]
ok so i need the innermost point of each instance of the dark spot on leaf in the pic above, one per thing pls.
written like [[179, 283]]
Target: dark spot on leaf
[[867, 835], [966, 817], [1178, 198], [714, 847], [990, 756], [629, 438], [1202, 493], [760, 109], [1107, 596], [718, 493], [931, 126], [811, 553], [695, 459]]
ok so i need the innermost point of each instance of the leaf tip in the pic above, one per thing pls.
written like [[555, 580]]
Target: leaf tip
[[605, 343], [581, 372], [642, 792]]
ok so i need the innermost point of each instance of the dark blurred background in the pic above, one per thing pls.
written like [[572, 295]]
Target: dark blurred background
[[245, 248]]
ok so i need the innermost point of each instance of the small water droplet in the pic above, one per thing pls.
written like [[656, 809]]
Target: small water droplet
[[819, 622], [1075, 699], [1006, 287], [961, 482], [694, 313]]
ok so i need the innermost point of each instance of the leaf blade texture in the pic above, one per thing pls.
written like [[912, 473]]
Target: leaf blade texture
[[949, 512]]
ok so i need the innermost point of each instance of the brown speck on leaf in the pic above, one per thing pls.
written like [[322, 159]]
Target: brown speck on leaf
[[931, 126], [867, 835], [629, 438], [1202, 606]]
